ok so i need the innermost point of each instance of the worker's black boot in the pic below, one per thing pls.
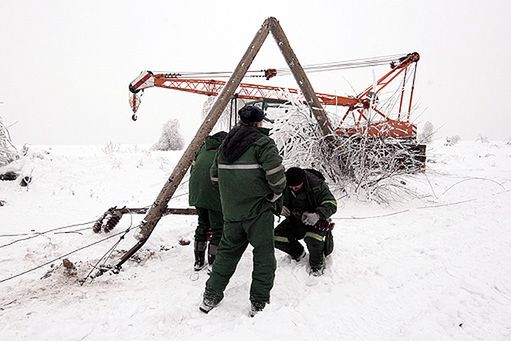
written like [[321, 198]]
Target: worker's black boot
[[256, 307], [210, 300], [212, 249], [316, 256], [199, 249]]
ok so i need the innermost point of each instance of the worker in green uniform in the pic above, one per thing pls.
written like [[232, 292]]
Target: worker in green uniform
[[308, 205], [250, 175], [206, 199]]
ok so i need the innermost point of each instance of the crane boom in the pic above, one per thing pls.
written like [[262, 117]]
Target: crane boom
[[357, 106], [212, 87]]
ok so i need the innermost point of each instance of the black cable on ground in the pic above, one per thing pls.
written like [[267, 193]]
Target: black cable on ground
[[14, 235], [104, 257], [67, 254], [37, 234], [370, 217], [74, 231], [108, 254]]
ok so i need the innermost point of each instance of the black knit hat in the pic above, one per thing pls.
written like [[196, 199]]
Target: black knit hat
[[251, 114], [295, 176]]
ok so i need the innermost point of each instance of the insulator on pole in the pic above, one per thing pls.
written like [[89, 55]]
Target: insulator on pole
[[111, 221]]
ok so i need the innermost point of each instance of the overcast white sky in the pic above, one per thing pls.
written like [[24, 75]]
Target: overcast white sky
[[65, 65]]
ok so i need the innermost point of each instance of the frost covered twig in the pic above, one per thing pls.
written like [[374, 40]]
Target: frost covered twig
[[366, 166], [8, 152]]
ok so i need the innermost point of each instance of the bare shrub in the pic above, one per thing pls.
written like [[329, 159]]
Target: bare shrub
[[426, 136], [8, 153], [364, 166], [111, 148], [452, 140], [482, 139], [170, 138]]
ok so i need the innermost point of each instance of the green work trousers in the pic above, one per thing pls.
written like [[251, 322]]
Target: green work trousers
[[235, 239], [291, 230], [209, 220]]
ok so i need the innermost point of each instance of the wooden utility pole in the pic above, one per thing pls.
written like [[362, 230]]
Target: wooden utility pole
[[160, 204]]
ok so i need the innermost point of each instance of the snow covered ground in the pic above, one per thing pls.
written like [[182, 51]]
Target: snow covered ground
[[436, 267]]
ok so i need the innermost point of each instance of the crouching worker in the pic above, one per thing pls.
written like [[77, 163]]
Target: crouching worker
[[206, 198], [308, 205]]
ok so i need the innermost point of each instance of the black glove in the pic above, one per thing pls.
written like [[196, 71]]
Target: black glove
[[323, 226]]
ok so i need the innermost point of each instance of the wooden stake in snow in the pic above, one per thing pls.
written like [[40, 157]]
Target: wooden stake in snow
[[269, 25]]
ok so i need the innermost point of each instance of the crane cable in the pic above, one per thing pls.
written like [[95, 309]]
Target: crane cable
[[349, 64], [311, 68]]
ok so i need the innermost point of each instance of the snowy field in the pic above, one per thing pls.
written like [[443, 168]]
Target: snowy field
[[431, 267]]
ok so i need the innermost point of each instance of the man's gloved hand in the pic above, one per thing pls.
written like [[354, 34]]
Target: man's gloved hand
[[285, 212], [323, 226], [310, 218]]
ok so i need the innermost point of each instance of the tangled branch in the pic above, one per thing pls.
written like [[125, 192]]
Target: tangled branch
[[8, 152], [365, 166]]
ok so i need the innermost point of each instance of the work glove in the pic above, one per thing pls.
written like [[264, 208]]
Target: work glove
[[310, 218], [285, 212], [323, 226]]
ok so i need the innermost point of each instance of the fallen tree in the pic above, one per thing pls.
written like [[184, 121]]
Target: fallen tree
[[360, 164]]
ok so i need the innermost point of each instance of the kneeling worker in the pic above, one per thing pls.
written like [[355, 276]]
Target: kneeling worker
[[308, 204]]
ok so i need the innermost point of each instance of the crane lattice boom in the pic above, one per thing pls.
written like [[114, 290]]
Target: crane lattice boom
[[358, 107]]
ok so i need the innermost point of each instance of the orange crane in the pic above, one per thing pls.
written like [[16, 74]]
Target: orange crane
[[359, 107]]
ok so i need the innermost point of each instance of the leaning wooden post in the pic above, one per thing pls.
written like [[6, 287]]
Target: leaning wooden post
[[308, 92], [301, 78], [160, 204]]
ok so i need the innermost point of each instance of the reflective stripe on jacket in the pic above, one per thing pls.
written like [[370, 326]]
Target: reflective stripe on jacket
[[252, 183], [315, 196]]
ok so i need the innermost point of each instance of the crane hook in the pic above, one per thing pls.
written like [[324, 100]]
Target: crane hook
[[134, 117]]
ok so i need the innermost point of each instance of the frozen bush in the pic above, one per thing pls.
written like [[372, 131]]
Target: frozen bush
[[361, 165], [111, 148], [426, 136], [170, 138], [452, 140], [482, 139], [8, 152]]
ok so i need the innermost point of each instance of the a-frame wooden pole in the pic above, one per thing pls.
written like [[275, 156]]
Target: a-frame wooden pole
[[160, 204]]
